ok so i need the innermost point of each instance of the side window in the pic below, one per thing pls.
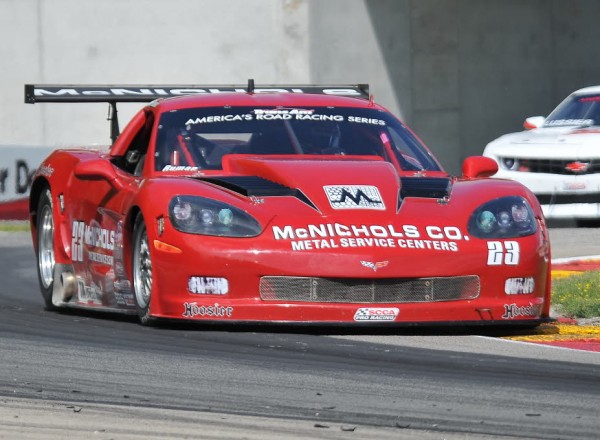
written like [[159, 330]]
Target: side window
[[134, 158]]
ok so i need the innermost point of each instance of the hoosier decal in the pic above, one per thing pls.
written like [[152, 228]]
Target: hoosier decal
[[512, 311], [191, 310]]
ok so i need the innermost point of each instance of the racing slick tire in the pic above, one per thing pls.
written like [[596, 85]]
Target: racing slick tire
[[45, 248], [142, 270]]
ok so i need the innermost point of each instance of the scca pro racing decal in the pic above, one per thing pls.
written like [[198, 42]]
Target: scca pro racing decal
[[354, 197], [191, 310], [338, 235], [377, 314]]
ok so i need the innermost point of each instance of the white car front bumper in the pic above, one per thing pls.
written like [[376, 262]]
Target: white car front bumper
[[562, 196]]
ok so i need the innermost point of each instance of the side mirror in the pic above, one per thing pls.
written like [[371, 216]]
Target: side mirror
[[533, 122], [479, 166], [98, 169]]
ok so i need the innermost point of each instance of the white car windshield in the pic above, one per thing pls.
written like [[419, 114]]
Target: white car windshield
[[576, 110], [200, 137]]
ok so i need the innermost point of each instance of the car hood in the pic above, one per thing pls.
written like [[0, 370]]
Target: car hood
[[328, 185], [550, 142]]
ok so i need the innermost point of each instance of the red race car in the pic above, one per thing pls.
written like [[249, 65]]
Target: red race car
[[283, 204]]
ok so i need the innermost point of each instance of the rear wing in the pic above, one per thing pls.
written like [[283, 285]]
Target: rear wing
[[112, 94], [146, 93]]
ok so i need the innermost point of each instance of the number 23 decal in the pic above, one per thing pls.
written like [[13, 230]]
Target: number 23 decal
[[503, 252]]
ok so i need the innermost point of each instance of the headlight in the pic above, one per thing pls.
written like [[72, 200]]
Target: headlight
[[510, 163], [506, 217], [198, 215]]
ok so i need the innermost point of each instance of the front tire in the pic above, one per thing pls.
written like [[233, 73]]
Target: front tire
[[142, 270], [45, 248]]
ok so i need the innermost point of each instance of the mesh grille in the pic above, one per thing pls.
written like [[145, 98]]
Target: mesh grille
[[357, 290], [559, 166]]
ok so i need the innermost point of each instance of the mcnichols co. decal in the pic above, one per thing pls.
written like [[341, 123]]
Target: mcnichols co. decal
[[338, 235]]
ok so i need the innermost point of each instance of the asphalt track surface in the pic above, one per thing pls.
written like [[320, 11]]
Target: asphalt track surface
[[82, 375]]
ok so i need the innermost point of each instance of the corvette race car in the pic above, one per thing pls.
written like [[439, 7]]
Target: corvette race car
[[557, 157], [282, 204]]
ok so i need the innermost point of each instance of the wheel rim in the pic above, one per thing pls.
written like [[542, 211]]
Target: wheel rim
[[143, 270], [46, 247]]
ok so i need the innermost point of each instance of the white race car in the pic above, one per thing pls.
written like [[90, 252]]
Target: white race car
[[557, 157]]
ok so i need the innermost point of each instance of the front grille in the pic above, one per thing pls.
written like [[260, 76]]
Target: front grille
[[567, 199], [358, 290], [562, 166]]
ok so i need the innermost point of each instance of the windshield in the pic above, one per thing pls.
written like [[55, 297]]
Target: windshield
[[577, 111], [198, 138]]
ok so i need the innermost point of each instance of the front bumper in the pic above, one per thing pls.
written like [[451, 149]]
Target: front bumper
[[245, 263], [561, 196], [523, 310]]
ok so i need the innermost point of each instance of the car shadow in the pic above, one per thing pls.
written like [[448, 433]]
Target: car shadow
[[377, 329]]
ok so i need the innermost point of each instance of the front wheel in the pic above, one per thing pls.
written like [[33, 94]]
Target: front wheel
[[142, 270], [45, 248]]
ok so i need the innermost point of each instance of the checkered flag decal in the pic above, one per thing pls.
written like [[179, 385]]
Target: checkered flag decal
[[354, 197]]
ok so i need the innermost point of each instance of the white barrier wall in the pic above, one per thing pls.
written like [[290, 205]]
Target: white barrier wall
[[137, 42], [17, 166]]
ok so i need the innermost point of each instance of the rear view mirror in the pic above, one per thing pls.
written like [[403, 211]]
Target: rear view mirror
[[533, 122], [98, 169]]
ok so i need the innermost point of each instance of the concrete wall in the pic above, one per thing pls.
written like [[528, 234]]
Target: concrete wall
[[352, 47], [459, 72], [137, 42]]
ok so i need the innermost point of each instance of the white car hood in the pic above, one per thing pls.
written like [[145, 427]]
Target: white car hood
[[548, 142]]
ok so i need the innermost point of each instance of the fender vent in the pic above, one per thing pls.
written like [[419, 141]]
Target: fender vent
[[253, 186], [428, 187]]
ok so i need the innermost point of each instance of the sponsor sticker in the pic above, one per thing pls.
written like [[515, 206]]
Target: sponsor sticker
[[376, 314], [92, 236], [565, 122], [354, 197], [192, 310], [512, 311], [519, 286], [179, 168], [89, 294], [338, 235], [97, 257], [574, 186], [279, 114], [45, 170], [208, 286]]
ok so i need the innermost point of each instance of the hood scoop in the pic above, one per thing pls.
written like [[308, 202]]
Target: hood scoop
[[253, 186], [427, 187]]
